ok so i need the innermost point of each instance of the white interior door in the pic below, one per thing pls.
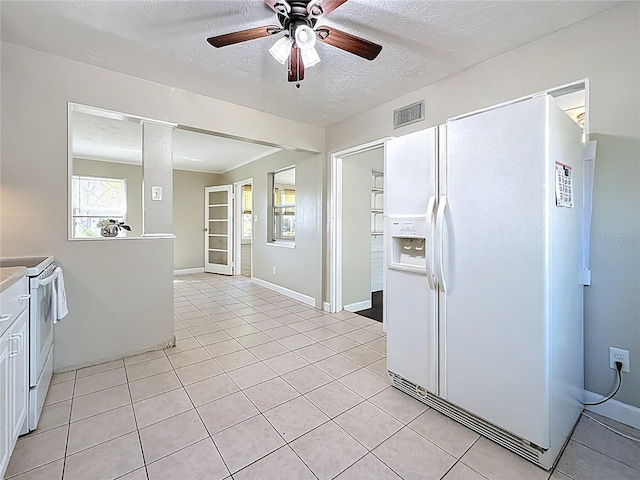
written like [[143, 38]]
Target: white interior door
[[218, 229]]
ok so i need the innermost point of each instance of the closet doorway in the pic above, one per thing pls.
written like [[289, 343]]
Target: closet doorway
[[358, 210]]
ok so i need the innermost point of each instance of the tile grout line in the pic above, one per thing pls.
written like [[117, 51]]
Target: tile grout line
[[223, 372], [458, 460], [596, 451], [135, 420], [64, 457], [203, 424], [66, 445], [114, 438], [300, 395], [288, 443]]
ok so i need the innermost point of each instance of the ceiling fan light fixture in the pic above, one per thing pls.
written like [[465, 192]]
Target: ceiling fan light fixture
[[310, 57], [281, 49], [314, 9], [305, 37], [283, 8]]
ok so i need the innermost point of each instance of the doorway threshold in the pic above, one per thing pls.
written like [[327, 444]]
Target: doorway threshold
[[375, 312]]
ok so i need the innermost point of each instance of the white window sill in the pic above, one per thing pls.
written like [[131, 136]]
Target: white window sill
[[143, 237]]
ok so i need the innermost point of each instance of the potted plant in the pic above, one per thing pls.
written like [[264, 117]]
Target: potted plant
[[111, 228]]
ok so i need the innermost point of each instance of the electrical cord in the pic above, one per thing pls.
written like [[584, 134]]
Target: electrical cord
[[609, 397], [612, 429]]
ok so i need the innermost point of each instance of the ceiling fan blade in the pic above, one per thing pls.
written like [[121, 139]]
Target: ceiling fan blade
[[326, 6], [243, 35], [296, 67], [349, 43]]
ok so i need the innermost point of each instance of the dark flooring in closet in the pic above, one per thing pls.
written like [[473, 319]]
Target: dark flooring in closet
[[375, 312]]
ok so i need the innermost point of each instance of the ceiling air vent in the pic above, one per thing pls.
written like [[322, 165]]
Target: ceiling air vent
[[407, 115]]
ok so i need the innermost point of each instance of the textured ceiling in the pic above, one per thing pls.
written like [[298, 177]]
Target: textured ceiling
[[165, 41], [114, 140]]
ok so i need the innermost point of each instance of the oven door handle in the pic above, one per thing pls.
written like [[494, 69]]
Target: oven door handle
[[48, 280]]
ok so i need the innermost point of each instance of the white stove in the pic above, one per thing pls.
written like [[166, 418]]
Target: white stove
[[41, 273]]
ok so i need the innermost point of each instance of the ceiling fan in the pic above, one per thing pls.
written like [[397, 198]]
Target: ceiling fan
[[298, 20]]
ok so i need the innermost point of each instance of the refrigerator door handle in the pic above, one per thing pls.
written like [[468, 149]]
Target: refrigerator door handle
[[442, 205], [429, 260]]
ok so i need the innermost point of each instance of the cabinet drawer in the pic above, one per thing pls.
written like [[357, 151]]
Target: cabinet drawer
[[13, 301]]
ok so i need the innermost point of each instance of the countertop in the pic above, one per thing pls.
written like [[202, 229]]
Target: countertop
[[10, 275]]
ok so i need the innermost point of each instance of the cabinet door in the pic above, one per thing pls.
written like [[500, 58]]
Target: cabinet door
[[18, 368], [5, 413]]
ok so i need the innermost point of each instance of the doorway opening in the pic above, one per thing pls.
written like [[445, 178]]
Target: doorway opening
[[357, 240]]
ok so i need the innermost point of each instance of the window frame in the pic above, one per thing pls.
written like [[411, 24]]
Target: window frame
[[277, 215], [120, 215]]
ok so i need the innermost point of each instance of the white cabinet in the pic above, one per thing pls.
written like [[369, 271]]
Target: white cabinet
[[5, 411], [14, 380], [18, 373]]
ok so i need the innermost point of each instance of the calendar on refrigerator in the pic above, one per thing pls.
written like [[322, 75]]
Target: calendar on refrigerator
[[564, 186]]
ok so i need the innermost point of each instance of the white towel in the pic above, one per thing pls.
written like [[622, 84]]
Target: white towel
[[60, 296], [58, 300]]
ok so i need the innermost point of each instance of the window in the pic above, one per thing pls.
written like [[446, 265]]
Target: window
[[283, 209], [246, 212], [95, 199]]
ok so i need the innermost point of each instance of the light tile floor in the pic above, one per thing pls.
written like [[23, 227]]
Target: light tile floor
[[263, 387]]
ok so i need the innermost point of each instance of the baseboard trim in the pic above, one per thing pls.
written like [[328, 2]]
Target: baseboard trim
[[356, 307], [326, 306], [171, 342], [301, 297], [187, 271], [613, 409]]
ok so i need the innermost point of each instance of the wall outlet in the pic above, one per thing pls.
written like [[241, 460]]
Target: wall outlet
[[274, 270], [619, 355]]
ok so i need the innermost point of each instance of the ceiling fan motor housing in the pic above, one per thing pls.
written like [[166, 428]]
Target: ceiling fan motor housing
[[297, 16]]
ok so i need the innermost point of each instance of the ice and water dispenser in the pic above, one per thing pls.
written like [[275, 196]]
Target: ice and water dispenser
[[409, 248]]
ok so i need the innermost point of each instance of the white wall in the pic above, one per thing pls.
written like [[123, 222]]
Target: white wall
[[356, 224], [188, 217], [299, 268], [119, 291], [606, 49]]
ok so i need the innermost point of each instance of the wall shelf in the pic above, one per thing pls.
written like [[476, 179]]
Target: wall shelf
[[377, 202]]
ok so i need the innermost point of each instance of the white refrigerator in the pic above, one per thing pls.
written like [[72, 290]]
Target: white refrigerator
[[483, 300]]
